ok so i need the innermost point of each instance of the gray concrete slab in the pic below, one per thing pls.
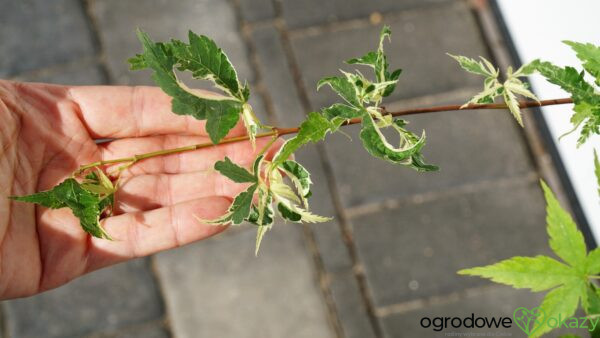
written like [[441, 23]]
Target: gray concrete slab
[[420, 39], [414, 250], [36, 34], [315, 12], [108, 299], [218, 288]]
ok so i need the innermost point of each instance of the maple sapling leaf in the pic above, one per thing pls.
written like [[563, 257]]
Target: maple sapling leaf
[[234, 172], [88, 200], [493, 88], [589, 54], [569, 282], [206, 61], [584, 95], [358, 92]]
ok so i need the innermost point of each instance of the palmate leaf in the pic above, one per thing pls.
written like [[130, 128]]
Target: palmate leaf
[[238, 211], [589, 54], [537, 273], [86, 205], [206, 62], [408, 153], [593, 262], [565, 239], [561, 302], [300, 177], [493, 88], [569, 283], [597, 169], [234, 172], [313, 129], [586, 99], [570, 80], [483, 67], [338, 113], [345, 89], [378, 61], [592, 307]]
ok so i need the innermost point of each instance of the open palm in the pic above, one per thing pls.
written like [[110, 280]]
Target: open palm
[[48, 131]]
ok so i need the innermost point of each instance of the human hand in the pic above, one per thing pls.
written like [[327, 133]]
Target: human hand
[[48, 131]]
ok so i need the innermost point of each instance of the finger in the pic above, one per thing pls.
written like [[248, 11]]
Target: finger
[[147, 192], [144, 233], [184, 162], [123, 111]]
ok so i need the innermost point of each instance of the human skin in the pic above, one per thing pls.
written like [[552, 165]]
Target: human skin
[[48, 131]]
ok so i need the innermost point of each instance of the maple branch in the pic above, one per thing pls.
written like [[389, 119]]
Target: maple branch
[[277, 131]]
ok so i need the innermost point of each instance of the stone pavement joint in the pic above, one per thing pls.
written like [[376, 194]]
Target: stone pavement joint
[[323, 280], [417, 304], [259, 87], [301, 91], [420, 198], [306, 104]]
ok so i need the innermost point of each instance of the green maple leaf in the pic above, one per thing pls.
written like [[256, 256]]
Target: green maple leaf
[[568, 281], [589, 54], [313, 129], [493, 88], [343, 87], [234, 171], [87, 201], [378, 61], [238, 211], [585, 97], [407, 153], [592, 308], [597, 169], [300, 177], [206, 61], [565, 239], [357, 92]]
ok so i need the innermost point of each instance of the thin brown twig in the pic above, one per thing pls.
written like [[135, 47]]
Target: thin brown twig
[[277, 131]]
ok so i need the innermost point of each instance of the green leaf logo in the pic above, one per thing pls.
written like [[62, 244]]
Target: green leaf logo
[[529, 320]]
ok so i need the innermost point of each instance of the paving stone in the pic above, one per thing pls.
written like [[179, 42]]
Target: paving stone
[[419, 42], [118, 296], [314, 12], [334, 253], [151, 330], [118, 19], [218, 288], [87, 74], [499, 301], [38, 33], [415, 250], [468, 146], [255, 10], [343, 285], [278, 80]]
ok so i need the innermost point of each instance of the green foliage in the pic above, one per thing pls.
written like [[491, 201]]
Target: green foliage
[[589, 54], [597, 169], [234, 172], [537, 273], [313, 129], [255, 204], [493, 88], [87, 200], [205, 61], [584, 95], [569, 281], [362, 98], [378, 61]]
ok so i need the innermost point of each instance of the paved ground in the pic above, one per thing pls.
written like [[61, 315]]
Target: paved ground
[[398, 238]]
